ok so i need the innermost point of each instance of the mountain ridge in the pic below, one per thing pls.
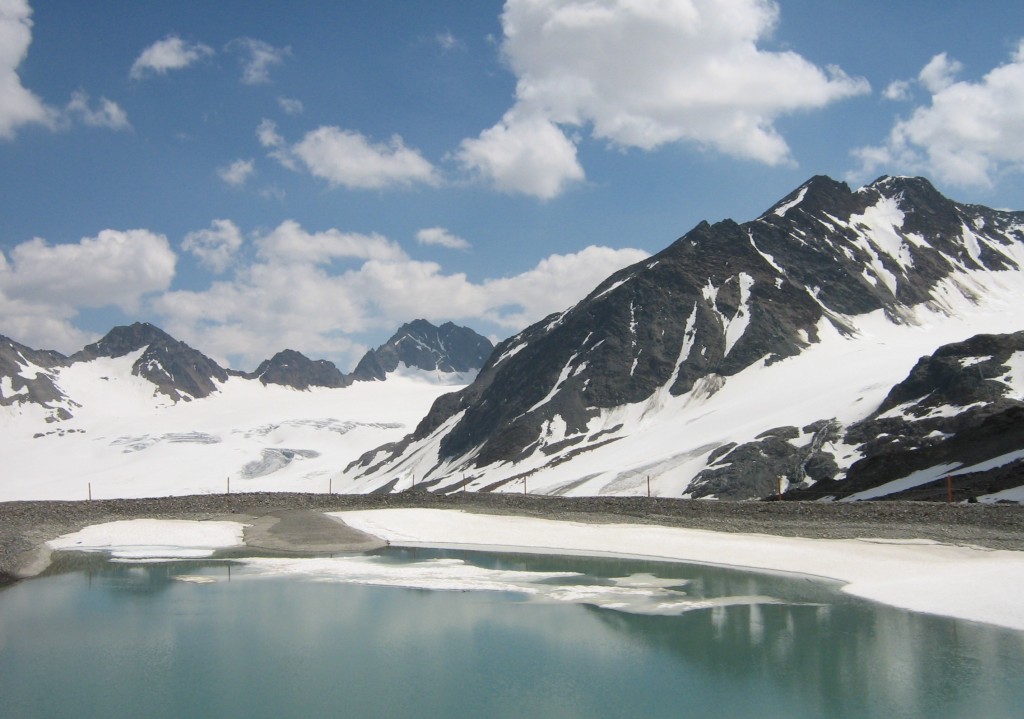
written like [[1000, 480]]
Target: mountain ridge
[[723, 298], [182, 373]]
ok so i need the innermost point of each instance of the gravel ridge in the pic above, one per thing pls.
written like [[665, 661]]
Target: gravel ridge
[[26, 526]]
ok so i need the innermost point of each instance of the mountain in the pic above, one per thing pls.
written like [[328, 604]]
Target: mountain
[[139, 413], [177, 370], [448, 354], [445, 350], [28, 376], [293, 369], [742, 359]]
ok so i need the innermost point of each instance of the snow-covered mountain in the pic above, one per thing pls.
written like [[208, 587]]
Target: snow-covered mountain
[[449, 351], [140, 413], [785, 352]]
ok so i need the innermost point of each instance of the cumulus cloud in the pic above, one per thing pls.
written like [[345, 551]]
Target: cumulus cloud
[[114, 268], [528, 155], [238, 172], [171, 53], [289, 243], [215, 247], [108, 114], [441, 237], [347, 158], [44, 286], [258, 57], [641, 75], [18, 106], [939, 73], [968, 135], [314, 290]]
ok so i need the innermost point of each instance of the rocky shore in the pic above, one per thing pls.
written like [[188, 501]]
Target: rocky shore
[[26, 526]]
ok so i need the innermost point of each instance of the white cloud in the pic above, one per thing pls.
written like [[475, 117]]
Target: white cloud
[[18, 106], [897, 90], [216, 246], [258, 58], [312, 291], [643, 74], [531, 156], [441, 237], [969, 134], [114, 268], [171, 53], [266, 133], [43, 286], [347, 158], [108, 115], [291, 106], [939, 73], [238, 172], [289, 243]]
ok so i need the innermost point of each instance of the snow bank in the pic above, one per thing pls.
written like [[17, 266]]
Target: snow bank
[[154, 538], [918, 575]]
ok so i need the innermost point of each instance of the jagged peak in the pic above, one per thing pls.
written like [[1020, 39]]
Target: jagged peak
[[124, 339], [817, 191]]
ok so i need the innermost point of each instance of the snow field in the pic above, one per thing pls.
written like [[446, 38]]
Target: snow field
[[131, 442]]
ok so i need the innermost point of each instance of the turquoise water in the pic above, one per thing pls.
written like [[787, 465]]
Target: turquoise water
[[237, 638]]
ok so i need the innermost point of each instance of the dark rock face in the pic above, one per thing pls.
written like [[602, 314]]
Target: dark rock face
[[293, 369], [29, 374], [176, 369], [957, 407], [448, 348], [756, 469], [720, 299]]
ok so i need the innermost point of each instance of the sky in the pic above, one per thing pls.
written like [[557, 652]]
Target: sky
[[255, 176]]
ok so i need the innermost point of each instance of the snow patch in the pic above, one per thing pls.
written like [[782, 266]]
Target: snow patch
[[153, 538], [781, 210]]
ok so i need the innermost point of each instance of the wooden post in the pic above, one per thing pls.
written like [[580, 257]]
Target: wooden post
[[229, 484], [524, 485], [330, 485], [778, 486], [648, 485], [90, 491], [949, 489]]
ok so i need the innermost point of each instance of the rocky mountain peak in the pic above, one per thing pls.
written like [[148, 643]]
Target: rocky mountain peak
[[123, 340], [27, 376], [177, 370], [719, 300], [421, 345], [294, 369]]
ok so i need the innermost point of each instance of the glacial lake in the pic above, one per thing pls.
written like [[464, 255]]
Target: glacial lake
[[437, 633]]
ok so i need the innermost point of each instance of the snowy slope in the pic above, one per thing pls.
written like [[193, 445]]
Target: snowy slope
[[778, 334], [126, 440]]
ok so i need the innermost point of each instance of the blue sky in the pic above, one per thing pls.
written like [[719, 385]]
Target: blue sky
[[259, 175]]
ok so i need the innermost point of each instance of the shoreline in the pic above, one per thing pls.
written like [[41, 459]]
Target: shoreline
[[26, 526]]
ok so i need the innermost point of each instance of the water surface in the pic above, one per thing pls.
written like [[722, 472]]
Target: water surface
[[495, 635]]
